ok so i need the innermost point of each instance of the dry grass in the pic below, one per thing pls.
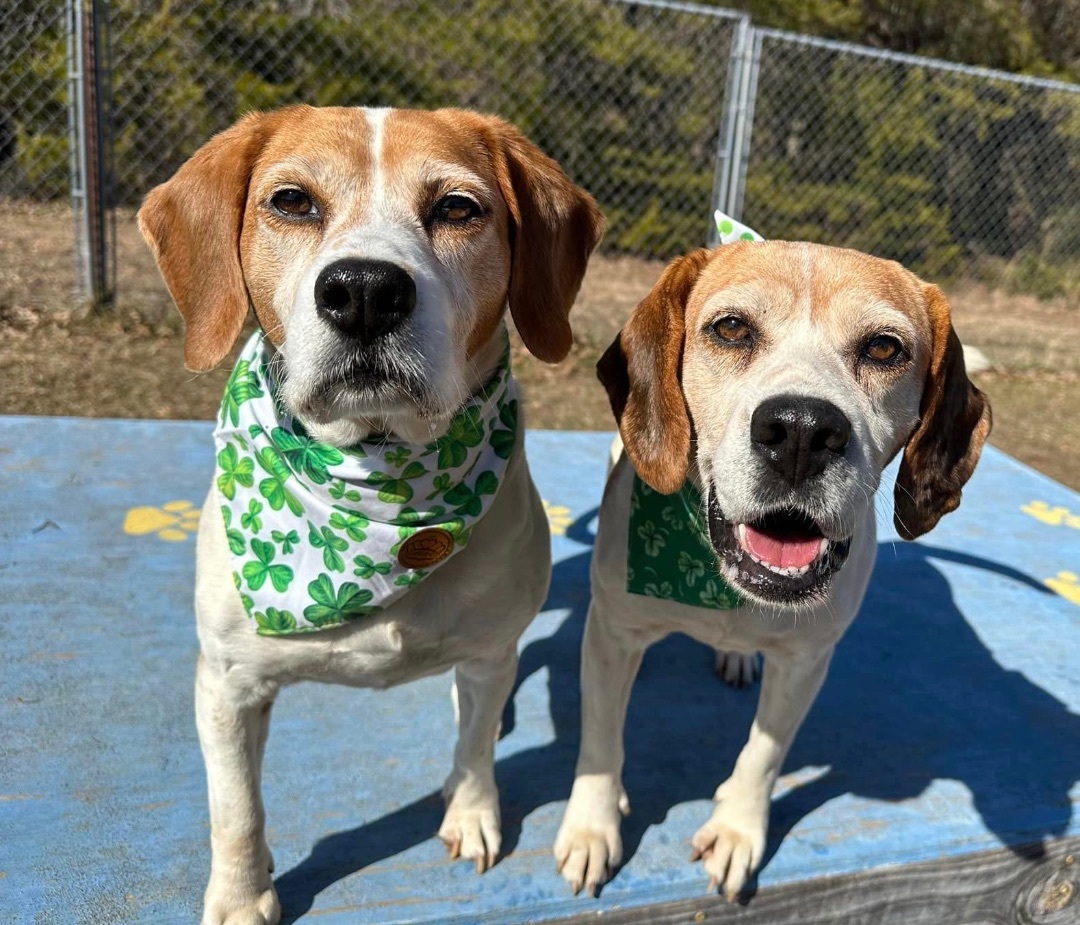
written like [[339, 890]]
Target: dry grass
[[57, 360]]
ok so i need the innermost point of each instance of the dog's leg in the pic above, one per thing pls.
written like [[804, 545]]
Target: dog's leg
[[233, 724], [471, 826], [732, 842], [589, 846]]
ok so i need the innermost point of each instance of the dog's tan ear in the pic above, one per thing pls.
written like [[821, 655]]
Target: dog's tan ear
[[554, 227], [642, 372], [192, 223], [954, 422]]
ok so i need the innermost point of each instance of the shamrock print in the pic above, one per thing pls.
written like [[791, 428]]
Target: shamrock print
[[467, 501], [274, 489], [331, 544], [332, 607], [275, 621], [652, 537], [235, 470], [440, 484], [502, 439], [466, 430], [663, 590], [670, 516], [288, 541], [352, 523], [410, 579], [366, 567], [339, 491], [256, 573], [692, 569], [237, 543], [399, 456], [397, 490], [719, 596], [305, 455], [243, 385], [251, 520]]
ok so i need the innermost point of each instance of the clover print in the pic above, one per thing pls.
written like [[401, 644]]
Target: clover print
[[467, 501], [366, 567], [466, 430], [250, 520], [339, 491], [397, 458], [243, 385], [306, 455], [288, 541], [235, 470], [256, 573], [663, 590], [719, 596], [652, 537], [352, 523], [331, 544], [502, 441], [441, 484], [237, 543], [332, 607], [671, 516], [410, 579], [692, 569], [275, 621], [273, 489], [396, 490]]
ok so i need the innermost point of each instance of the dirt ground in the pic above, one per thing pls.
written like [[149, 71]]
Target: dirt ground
[[55, 359]]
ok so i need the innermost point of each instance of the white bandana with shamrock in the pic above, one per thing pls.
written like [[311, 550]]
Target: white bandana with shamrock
[[669, 554], [319, 535]]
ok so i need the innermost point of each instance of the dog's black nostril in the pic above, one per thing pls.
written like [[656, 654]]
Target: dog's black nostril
[[798, 437], [364, 299]]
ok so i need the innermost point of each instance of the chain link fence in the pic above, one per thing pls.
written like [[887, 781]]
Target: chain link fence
[[659, 108], [952, 170]]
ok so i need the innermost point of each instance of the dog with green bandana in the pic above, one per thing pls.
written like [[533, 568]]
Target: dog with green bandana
[[371, 519], [760, 390]]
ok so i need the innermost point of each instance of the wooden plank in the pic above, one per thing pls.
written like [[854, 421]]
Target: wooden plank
[[1030, 884]]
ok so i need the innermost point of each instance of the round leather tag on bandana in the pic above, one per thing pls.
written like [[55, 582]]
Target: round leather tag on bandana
[[426, 548]]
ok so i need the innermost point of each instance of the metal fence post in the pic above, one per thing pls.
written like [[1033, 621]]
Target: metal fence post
[[740, 149], [89, 134], [728, 125]]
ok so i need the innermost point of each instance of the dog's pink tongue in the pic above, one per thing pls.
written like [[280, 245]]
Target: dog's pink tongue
[[781, 553]]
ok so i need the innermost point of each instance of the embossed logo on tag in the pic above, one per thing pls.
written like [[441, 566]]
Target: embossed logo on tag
[[426, 548]]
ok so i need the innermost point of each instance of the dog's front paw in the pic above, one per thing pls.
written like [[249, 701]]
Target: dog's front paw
[[731, 845], [471, 827], [588, 847], [226, 905]]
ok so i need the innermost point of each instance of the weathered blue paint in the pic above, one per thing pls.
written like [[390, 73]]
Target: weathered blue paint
[[947, 725]]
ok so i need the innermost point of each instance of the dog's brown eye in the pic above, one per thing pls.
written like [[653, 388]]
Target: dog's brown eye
[[732, 329], [292, 202], [456, 209], [883, 349]]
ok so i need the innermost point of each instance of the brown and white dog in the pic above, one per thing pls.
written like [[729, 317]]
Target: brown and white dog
[[472, 217], [781, 379]]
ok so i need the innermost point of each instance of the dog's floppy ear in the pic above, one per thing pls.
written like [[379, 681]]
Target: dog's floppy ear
[[192, 223], [954, 422], [554, 227], [642, 372]]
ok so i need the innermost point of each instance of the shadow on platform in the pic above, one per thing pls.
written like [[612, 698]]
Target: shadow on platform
[[913, 696]]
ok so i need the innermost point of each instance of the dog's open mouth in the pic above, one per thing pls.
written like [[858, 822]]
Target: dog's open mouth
[[781, 558]]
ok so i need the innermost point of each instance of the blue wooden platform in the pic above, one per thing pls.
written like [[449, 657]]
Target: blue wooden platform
[[948, 725]]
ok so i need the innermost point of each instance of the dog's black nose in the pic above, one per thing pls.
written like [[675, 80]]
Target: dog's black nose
[[364, 298], [799, 436]]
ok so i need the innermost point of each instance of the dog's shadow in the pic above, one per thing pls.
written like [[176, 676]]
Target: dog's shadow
[[913, 696]]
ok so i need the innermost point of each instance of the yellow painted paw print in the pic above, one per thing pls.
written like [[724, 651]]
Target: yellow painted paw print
[[1054, 516], [174, 521], [1067, 584], [558, 518]]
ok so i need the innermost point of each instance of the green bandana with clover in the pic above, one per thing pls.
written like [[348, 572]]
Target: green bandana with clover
[[314, 530], [669, 555]]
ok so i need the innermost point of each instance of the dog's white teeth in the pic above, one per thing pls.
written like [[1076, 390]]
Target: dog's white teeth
[[824, 546], [741, 531]]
